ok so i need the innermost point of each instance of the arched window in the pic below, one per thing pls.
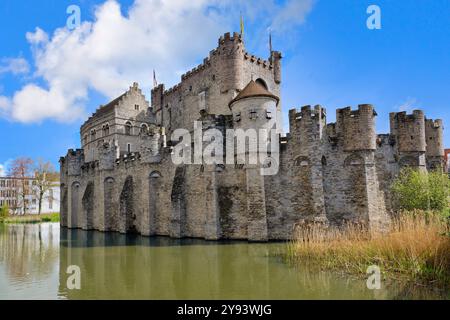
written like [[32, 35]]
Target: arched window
[[155, 175], [106, 130], [354, 160], [301, 162], [128, 128], [144, 128], [262, 82], [93, 135]]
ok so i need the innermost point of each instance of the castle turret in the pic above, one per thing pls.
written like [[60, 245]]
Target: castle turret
[[275, 59], [434, 133], [150, 145], [253, 109], [307, 129], [408, 133], [75, 159], [107, 155], [357, 127], [158, 102], [231, 50]]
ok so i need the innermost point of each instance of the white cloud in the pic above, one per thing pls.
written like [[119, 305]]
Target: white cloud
[[37, 37], [409, 105], [4, 168], [292, 14], [108, 54], [14, 65], [4, 102]]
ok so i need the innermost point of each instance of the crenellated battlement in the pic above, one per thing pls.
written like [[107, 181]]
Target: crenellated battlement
[[307, 112], [259, 61], [408, 131], [435, 137], [201, 67], [357, 127], [226, 50], [157, 95], [307, 124], [74, 159], [227, 38]]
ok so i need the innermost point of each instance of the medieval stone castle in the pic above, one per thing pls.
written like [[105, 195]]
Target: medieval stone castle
[[123, 179]]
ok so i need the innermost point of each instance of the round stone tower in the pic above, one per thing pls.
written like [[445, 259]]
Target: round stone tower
[[254, 109]]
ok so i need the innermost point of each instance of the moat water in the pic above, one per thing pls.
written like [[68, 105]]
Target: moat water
[[34, 261]]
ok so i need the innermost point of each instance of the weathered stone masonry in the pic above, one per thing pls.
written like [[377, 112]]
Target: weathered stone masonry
[[123, 179]]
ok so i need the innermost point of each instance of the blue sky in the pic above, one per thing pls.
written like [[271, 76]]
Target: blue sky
[[51, 77]]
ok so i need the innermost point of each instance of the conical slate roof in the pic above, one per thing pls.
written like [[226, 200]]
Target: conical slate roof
[[253, 89]]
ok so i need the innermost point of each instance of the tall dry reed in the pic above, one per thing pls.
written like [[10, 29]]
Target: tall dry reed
[[416, 248]]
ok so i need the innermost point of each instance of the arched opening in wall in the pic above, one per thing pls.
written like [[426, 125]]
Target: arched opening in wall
[[408, 161], [354, 194], [324, 161], [435, 166], [301, 186], [128, 128], [127, 214], [353, 160], [88, 205], [64, 205], [155, 175], [109, 204], [144, 129], [262, 82], [154, 182], [93, 135], [178, 200], [106, 130], [301, 162], [74, 204]]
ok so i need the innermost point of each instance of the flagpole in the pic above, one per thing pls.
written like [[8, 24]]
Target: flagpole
[[155, 83], [270, 43], [242, 26]]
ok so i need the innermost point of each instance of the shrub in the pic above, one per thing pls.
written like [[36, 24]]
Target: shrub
[[4, 213], [419, 190]]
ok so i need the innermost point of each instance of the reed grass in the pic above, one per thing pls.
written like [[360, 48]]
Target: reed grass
[[417, 248]]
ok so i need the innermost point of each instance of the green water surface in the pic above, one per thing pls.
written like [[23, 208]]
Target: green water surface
[[34, 260]]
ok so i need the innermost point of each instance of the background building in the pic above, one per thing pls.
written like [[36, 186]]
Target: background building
[[11, 196], [447, 164]]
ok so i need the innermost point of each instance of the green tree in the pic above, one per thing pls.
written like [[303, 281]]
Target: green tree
[[416, 189], [4, 213]]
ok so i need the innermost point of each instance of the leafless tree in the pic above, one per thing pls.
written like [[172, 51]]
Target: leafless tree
[[20, 170], [45, 177]]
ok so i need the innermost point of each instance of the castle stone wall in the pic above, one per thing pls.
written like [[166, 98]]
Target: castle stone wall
[[329, 173]]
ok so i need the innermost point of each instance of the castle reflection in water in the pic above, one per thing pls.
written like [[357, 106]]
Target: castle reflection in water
[[34, 260]]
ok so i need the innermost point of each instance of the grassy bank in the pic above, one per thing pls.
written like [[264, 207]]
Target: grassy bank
[[417, 249], [51, 217]]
